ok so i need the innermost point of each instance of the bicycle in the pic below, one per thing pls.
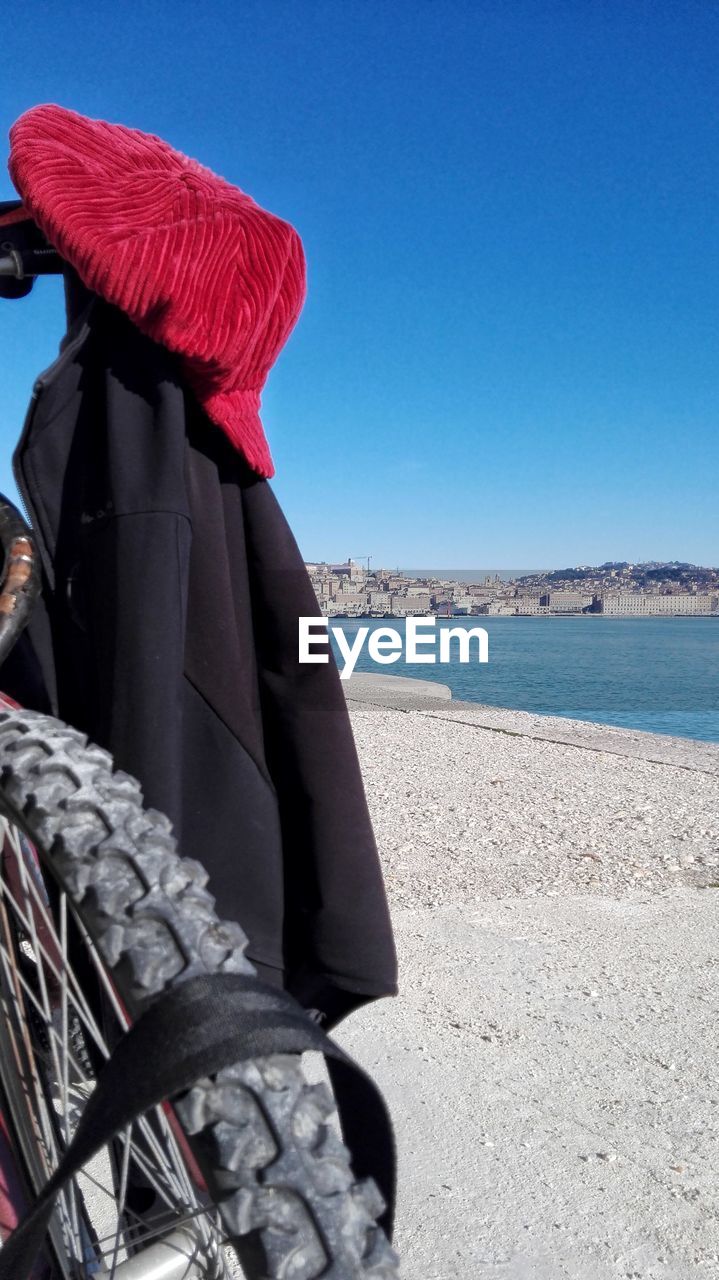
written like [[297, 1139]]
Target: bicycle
[[99, 917]]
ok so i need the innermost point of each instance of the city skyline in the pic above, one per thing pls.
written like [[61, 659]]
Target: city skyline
[[352, 590]]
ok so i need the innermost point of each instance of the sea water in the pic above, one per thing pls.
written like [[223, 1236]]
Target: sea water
[[656, 674]]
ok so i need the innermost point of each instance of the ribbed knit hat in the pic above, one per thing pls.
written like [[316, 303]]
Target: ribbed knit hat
[[195, 263]]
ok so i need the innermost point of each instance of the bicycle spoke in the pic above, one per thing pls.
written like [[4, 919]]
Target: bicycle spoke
[[121, 1196], [41, 990]]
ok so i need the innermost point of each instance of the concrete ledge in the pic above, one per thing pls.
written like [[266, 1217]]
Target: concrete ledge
[[657, 748], [395, 691], [430, 698]]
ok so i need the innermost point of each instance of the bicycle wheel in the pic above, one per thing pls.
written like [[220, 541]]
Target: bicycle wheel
[[115, 918]]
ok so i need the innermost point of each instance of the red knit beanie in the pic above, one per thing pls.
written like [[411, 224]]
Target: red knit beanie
[[194, 262]]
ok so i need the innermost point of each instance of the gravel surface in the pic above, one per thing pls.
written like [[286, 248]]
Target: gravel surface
[[551, 1062], [464, 813]]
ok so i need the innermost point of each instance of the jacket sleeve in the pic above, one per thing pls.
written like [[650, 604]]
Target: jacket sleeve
[[338, 935]]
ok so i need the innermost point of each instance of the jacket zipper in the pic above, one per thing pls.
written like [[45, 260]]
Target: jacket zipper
[[22, 497]]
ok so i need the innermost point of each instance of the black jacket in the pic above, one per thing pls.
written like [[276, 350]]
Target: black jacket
[[168, 633]]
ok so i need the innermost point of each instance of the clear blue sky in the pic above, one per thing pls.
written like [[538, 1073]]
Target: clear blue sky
[[509, 354]]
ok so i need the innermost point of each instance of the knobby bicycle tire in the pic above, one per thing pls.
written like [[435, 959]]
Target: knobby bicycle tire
[[278, 1173]]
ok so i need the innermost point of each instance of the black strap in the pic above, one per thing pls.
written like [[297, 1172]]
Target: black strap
[[192, 1031]]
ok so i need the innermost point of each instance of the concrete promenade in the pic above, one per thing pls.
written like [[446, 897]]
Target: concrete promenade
[[551, 1062]]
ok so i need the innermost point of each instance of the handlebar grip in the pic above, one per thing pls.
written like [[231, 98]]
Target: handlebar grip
[[19, 264]]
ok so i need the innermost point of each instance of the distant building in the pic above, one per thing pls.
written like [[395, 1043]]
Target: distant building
[[345, 598], [464, 604], [414, 604], [503, 607], [566, 601], [639, 603], [530, 605]]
